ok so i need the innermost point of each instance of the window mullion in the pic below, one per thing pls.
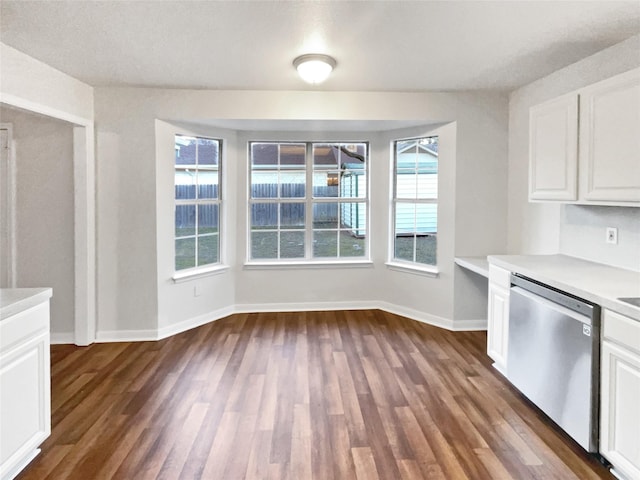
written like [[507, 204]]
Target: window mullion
[[308, 222], [279, 204], [278, 225], [197, 204], [415, 210]]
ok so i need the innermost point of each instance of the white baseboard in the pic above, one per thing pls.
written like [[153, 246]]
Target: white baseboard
[[469, 325], [194, 322], [61, 338], [188, 324], [111, 336], [302, 307], [436, 321], [417, 315]]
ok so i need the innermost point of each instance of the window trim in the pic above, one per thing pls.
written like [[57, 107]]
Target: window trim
[[198, 272], [314, 264], [209, 268], [415, 268], [309, 200]]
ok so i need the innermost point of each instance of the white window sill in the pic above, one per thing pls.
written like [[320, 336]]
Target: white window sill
[[426, 271], [280, 265], [185, 276]]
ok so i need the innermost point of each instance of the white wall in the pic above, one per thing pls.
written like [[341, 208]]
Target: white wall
[[206, 297], [323, 287], [126, 226], [135, 208], [553, 228], [38, 87], [583, 231], [7, 187], [44, 211], [31, 85]]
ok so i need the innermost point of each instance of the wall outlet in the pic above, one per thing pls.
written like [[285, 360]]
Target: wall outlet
[[612, 235], [197, 291]]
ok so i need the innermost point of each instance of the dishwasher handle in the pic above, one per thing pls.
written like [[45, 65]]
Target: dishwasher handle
[[544, 302], [558, 297]]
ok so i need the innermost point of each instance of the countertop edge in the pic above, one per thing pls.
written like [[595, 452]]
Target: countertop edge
[[16, 300], [479, 265], [510, 262]]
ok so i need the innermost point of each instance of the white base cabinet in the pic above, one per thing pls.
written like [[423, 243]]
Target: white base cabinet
[[25, 387], [620, 394], [498, 317]]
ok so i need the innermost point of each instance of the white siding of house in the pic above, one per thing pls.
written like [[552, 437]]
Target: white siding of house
[[406, 219], [354, 215], [421, 185]]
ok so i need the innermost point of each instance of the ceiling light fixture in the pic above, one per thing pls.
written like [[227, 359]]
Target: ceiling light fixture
[[314, 68]]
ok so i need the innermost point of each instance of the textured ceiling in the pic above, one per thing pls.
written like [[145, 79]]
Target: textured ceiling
[[379, 46]]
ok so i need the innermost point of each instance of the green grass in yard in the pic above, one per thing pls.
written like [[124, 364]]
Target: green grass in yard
[[325, 244], [351, 246], [264, 244], [426, 247], [186, 251], [207, 250], [292, 245]]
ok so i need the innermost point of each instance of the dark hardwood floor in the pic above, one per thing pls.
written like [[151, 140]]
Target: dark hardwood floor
[[314, 395]]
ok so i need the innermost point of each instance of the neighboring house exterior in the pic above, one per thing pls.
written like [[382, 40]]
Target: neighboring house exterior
[[420, 176]]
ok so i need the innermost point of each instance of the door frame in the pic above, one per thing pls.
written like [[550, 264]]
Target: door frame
[[9, 186], [84, 215]]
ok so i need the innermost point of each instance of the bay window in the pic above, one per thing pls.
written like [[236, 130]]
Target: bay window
[[197, 202], [308, 201], [415, 201]]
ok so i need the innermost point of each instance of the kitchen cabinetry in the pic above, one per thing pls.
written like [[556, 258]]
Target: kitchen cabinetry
[[553, 150], [620, 394], [584, 146], [25, 393], [610, 139], [498, 316]]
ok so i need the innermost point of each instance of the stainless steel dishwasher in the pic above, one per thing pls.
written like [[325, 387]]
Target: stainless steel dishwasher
[[553, 356]]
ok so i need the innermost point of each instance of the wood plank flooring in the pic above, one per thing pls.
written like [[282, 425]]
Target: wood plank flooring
[[298, 396]]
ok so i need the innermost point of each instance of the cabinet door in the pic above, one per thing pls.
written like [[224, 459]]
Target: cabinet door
[[610, 139], [25, 396], [620, 409], [553, 150], [498, 326]]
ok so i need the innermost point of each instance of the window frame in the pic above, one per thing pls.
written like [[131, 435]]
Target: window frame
[[309, 200], [394, 263], [208, 268]]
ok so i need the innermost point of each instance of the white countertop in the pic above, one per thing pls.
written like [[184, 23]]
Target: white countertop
[[479, 265], [16, 300], [595, 282]]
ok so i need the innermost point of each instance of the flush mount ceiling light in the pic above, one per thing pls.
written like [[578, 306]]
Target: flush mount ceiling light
[[314, 68]]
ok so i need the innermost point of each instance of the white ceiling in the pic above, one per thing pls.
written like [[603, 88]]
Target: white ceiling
[[379, 45]]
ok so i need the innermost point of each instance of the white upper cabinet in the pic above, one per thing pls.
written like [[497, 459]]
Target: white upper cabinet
[[584, 147], [610, 139], [553, 150]]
